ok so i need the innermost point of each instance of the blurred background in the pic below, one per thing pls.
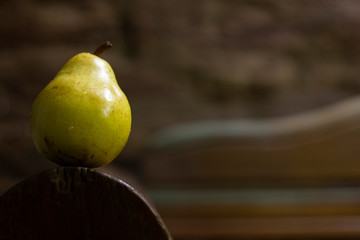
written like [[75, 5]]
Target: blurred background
[[245, 113]]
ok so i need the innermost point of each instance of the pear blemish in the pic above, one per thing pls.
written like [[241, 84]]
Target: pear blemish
[[70, 120]]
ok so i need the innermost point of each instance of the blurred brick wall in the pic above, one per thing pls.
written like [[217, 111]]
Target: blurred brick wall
[[178, 60]]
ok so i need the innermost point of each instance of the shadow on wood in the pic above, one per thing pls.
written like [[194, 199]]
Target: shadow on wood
[[77, 203]]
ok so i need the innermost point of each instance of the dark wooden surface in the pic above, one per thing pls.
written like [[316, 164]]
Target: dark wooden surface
[[77, 203], [295, 177], [312, 149]]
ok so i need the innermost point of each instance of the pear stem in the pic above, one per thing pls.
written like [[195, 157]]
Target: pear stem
[[103, 47]]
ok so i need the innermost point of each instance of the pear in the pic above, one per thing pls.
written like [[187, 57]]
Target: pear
[[82, 117]]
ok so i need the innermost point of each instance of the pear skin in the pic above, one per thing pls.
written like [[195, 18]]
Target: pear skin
[[82, 117]]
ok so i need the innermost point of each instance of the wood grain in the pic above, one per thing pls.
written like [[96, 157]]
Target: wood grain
[[294, 228], [77, 203]]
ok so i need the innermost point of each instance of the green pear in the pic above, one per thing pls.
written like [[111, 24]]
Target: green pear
[[82, 117]]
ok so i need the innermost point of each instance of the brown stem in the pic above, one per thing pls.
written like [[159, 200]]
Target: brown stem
[[105, 46]]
